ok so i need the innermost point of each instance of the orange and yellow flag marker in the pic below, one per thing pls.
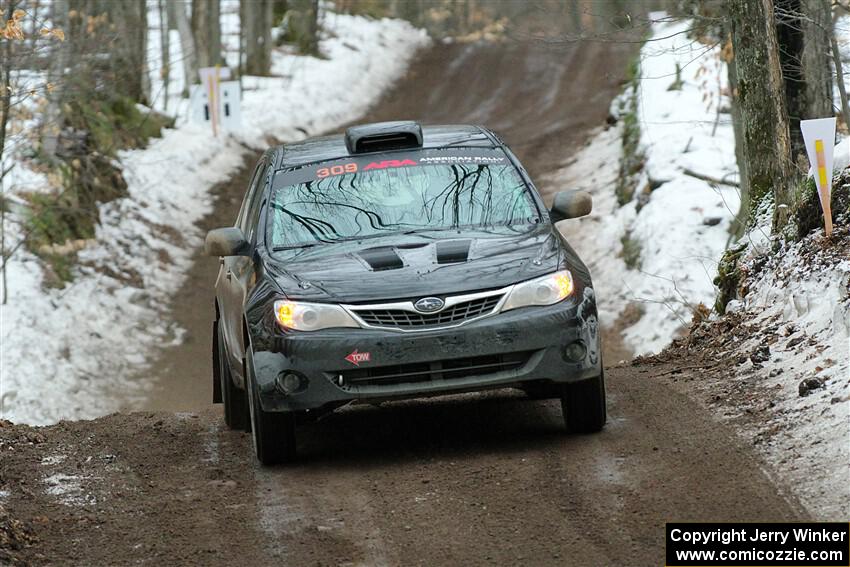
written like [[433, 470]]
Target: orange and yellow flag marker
[[823, 187]]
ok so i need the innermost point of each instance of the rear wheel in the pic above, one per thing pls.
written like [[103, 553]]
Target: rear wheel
[[583, 405], [233, 397], [273, 432]]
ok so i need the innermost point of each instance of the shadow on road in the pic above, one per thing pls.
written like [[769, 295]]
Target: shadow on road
[[458, 426]]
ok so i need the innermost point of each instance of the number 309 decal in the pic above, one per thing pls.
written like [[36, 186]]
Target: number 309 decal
[[323, 172]]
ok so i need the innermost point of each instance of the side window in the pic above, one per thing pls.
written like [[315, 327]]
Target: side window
[[246, 202], [257, 192]]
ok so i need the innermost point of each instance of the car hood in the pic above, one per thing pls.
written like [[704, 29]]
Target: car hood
[[416, 267]]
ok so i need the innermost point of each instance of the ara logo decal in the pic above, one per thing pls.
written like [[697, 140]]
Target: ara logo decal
[[389, 163], [356, 358]]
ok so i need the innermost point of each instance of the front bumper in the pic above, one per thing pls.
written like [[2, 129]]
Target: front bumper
[[503, 350]]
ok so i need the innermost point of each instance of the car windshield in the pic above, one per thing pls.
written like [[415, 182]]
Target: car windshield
[[397, 200]]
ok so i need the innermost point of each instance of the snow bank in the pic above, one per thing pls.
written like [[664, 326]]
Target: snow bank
[[679, 224], [798, 304], [780, 366], [72, 353]]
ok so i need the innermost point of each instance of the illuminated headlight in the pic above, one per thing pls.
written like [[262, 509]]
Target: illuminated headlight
[[300, 316], [545, 290]]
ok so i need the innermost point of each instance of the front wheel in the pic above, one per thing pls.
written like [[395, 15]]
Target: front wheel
[[273, 432], [233, 397], [583, 405]]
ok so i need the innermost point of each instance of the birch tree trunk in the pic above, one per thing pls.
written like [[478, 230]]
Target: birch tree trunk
[[764, 118], [58, 64], [187, 46]]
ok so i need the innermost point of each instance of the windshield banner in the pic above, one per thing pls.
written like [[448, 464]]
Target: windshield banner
[[389, 160]]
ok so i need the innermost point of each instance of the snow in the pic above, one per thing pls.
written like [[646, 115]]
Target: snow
[[68, 489], [683, 227], [77, 352], [809, 298]]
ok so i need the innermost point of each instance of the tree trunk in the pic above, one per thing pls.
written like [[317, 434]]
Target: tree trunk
[[789, 37], [206, 32], [839, 75], [803, 29], [312, 43], [6, 61], [59, 60], [128, 56], [165, 50], [739, 226], [817, 54], [767, 144], [187, 46], [256, 35]]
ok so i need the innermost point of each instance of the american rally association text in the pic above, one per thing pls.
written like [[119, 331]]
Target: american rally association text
[[727, 536]]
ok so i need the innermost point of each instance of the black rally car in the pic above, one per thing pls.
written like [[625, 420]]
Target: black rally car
[[394, 262]]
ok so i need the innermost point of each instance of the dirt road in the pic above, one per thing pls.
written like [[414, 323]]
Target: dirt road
[[465, 480], [471, 480]]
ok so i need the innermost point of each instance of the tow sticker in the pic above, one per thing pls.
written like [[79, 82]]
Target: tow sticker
[[356, 358]]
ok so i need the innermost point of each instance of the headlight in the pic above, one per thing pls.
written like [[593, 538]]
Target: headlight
[[301, 316], [545, 290]]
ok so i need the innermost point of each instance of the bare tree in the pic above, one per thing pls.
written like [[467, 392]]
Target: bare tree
[[165, 50], [764, 118], [187, 46]]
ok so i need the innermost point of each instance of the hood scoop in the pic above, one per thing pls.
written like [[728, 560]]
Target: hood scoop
[[453, 251], [382, 258]]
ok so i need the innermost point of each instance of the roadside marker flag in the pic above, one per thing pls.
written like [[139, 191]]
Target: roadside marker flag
[[819, 137]]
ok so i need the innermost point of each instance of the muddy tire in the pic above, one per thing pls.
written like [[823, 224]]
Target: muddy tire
[[234, 398], [273, 432], [583, 405]]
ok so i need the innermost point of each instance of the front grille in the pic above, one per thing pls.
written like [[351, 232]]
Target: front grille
[[440, 370], [403, 319]]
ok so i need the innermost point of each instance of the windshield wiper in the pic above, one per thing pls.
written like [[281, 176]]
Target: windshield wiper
[[297, 246]]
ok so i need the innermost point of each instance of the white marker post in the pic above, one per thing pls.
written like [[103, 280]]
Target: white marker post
[[216, 100], [210, 79], [819, 137]]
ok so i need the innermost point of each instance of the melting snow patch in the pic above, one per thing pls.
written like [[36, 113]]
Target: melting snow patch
[[68, 490], [53, 460]]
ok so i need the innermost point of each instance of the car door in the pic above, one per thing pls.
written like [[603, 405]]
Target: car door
[[235, 276]]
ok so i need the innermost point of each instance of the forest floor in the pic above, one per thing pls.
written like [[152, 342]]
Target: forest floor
[[472, 479]]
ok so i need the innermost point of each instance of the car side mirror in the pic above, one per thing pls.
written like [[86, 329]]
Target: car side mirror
[[229, 241], [570, 205]]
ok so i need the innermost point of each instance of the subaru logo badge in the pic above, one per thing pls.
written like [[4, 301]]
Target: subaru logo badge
[[429, 304]]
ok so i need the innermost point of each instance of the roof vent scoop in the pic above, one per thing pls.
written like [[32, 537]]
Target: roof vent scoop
[[383, 136], [453, 251]]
